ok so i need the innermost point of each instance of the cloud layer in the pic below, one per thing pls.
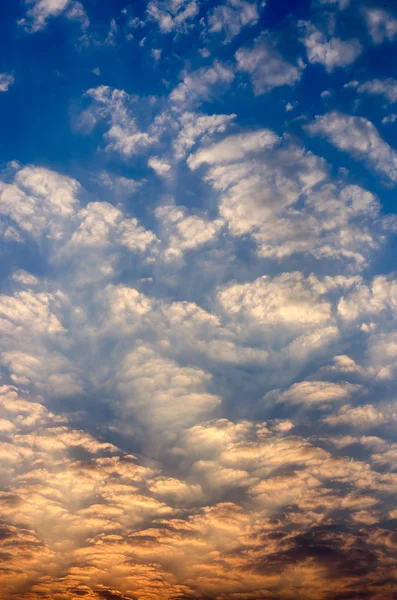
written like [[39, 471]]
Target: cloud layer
[[198, 303]]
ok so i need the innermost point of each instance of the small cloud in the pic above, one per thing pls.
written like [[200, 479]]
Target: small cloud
[[330, 52], [156, 53], [6, 81]]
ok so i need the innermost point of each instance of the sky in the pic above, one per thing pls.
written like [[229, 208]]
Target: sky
[[198, 303]]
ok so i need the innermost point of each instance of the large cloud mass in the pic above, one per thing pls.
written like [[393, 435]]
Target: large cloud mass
[[198, 308]]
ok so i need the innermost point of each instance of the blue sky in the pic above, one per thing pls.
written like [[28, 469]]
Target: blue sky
[[198, 350]]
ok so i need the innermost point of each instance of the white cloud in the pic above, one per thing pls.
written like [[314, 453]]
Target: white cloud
[[163, 395], [230, 18], [194, 126], [118, 184], [39, 200], [42, 10], [234, 148], [267, 67], [183, 231], [359, 137], [382, 26], [76, 12], [159, 165], [287, 300], [389, 119], [332, 52], [115, 107], [101, 225], [367, 301], [173, 15], [202, 84], [6, 81], [259, 179], [381, 87], [341, 3]]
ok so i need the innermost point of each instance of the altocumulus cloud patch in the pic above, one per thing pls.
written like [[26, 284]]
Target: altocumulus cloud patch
[[198, 301]]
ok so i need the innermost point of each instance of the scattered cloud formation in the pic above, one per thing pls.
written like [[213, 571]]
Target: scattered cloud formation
[[173, 15], [359, 137], [42, 10], [230, 18], [198, 300]]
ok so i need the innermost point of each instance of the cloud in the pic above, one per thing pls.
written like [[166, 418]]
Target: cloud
[[382, 26], [234, 148], [117, 184], [331, 53], [381, 87], [6, 81], [266, 67], [257, 197], [185, 232], [230, 18], [286, 300], [173, 15], [341, 3], [198, 346], [42, 10], [317, 392], [359, 137], [360, 417], [195, 126], [161, 393], [202, 84], [367, 301], [115, 108], [159, 165], [40, 201]]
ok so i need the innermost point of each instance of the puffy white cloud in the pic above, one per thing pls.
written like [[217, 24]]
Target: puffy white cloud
[[233, 148], [40, 201], [332, 52], [259, 179], [159, 165], [230, 18], [184, 231], [6, 81], [195, 126], [365, 302], [287, 300], [258, 196], [267, 67], [164, 396], [101, 224], [357, 136], [201, 84], [42, 10], [382, 26]]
